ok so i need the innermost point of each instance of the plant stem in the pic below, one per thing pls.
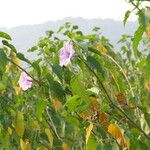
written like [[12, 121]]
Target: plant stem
[[54, 128], [121, 71], [24, 71], [112, 103], [135, 6], [45, 144]]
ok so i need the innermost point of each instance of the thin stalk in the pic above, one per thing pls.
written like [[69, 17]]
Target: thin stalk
[[24, 71], [52, 123], [112, 103], [135, 6], [45, 145], [50, 126], [42, 142], [121, 71]]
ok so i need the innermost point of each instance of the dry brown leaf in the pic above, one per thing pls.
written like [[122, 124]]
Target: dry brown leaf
[[103, 120], [91, 114], [121, 99]]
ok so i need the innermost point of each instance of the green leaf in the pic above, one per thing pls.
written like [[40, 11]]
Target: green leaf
[[75, 27], [32, 49], [94, 64], [6, 43], [40, 106], [147, 118], [5, 35], [4, 139], [56, 88], [85, 37], [93, 50], [72, 103], [58, 71], [147, 67], [2, 87], [143, 146], [36, 66], [73, 120], [136, 39], [60, 29], [127, 14], [22, 57], [3, 60], [92, 144], [77, 88], [19, 123]]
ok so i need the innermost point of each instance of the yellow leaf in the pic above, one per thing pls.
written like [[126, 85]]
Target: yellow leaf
[[25, 145], [88, 132], [65, 146], [94, 102], [9, 130], [19, 123], [101, 48], [147, 85], [18, 90], [57, 104], [117, 133], [36, 125], [8, 68], [49, 135], [148, 31], [14, 58]]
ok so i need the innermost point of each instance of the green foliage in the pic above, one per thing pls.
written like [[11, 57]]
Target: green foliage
[[127, 14], [3, 60], [5, 35], [99, 101], [136, 39]]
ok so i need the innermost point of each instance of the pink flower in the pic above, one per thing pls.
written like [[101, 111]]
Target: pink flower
[[66, 53], [25, 81]]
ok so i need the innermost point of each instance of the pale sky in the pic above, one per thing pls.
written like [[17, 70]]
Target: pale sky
[[24, 12]]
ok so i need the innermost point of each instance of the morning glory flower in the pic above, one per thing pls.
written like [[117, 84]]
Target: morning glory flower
[[66, 53], [25, 82]]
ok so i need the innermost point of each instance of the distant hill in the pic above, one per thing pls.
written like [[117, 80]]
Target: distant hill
[[26, 36]]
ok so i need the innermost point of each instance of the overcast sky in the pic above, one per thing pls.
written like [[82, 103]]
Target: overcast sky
[[24, 12]]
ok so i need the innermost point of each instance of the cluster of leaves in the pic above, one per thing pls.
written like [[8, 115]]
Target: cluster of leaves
[[100, 101]]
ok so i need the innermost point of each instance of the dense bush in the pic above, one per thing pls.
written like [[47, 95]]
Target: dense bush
[[80, 93]]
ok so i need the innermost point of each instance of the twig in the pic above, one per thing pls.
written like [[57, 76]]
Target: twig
[[112, 103], [54, 128], [45, 145], [49, 124], [121, 71], [24, 71]]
